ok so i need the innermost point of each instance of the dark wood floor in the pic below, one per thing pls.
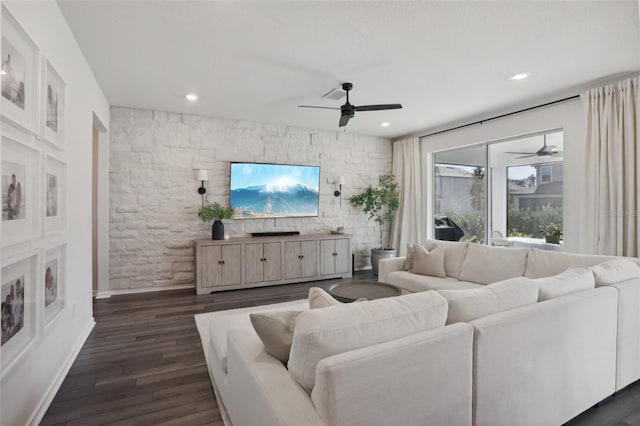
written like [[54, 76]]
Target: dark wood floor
[[143, 363]]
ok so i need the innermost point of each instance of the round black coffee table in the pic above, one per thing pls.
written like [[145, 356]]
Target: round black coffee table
[[354, 290]]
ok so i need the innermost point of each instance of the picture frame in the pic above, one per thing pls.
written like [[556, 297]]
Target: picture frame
[[53, 98], [18, 278], [53, 282], [20, 187], [20, 76], [54, 195]]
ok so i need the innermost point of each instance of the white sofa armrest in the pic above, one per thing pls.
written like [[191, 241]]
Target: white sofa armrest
[[628, 353], [545, 363], [255, 376], [385, 266], [424, 378]]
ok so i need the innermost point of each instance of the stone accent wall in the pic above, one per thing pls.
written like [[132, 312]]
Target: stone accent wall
[[154, 199]]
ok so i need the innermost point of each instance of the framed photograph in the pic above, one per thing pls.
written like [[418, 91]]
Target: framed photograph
[[53, 282], [54, 195], [53, 105], [20, 75], [18, 293], [20, 182]]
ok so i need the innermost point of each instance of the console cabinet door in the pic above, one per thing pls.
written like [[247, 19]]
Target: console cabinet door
[[292, 267], [263, 262], [309, 260], [327, 257], [210, 258], [272, 262], [343, 255], [334, 256], [231, 269], [254, 263], [300, 259]]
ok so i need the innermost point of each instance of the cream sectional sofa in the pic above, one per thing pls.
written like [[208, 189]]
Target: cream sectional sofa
[[543, 363], [469, 265]]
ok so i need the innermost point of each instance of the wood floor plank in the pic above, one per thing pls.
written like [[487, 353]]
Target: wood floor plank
[[143, 363]]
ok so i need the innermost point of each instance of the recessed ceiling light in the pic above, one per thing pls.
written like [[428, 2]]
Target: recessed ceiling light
[[385, 124], [3, 72], [192, 97], [519, 76]]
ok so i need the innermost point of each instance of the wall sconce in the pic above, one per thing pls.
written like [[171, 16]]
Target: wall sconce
[[338, 192], [203, 177]]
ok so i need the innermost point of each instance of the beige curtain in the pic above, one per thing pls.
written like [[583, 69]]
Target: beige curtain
[[612, 198], [407, 227]]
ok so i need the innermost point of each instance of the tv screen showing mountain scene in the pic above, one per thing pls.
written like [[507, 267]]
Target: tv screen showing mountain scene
[[274, 190]]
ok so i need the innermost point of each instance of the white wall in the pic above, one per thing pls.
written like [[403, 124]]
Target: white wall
[[27, 389], [567, 116], [154, 198]]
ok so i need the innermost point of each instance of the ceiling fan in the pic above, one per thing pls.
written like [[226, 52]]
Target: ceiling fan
[[347, 111], [545, 151]]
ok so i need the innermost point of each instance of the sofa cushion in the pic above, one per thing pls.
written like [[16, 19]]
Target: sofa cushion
[[415, 283], [275, 329], [467, 305], [546, 263], [486, 265], [570, 281], [318, 298], [454, 253], [428, 262], [615, 271], [219, 323], [321, 333], [408, 260]]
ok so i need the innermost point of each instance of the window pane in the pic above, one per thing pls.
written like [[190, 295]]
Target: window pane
[[460, 194]]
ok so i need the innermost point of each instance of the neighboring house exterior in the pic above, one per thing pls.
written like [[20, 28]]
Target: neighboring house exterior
[[453, 187], [546, 192]]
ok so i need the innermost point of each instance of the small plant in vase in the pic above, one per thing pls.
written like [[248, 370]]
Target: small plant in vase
[[215, 212], [552, 234], [380, 203]]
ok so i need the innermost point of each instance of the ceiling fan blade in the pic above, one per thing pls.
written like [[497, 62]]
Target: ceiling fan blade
[[343, 120], [318, 107], [377, 107], [527, 156]]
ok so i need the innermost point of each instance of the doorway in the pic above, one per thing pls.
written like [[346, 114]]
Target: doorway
[[100, 210]]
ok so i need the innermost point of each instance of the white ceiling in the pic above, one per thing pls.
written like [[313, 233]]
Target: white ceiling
[[444, 61]]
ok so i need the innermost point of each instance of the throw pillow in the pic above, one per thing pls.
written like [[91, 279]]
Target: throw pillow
[[570, 281], [275, 329], [318, 298], [467, 305], [454, 254], [428, 263], [615, 271], [321, 333], [408, 260], [486, 265]]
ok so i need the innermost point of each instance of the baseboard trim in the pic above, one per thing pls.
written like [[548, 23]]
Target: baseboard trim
[[102, 294], [364, 268], [45, 402], [150, 289]]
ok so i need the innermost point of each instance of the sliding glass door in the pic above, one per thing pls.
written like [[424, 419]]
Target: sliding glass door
[[460, 194], [507, 192]]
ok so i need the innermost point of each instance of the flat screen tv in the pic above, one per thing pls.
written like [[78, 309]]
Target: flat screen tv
[[273, 190]]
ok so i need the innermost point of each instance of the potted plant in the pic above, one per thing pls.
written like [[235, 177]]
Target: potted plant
[[380, 203], [552, 234], [215, 212]]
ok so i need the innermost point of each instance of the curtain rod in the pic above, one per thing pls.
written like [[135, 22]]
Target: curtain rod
[[502, 116]]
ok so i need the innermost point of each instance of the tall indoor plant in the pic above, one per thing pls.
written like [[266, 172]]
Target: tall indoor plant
[[380, 203], [215, 212]]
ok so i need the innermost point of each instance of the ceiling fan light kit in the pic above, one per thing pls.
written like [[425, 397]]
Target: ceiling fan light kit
[[348, 111]]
